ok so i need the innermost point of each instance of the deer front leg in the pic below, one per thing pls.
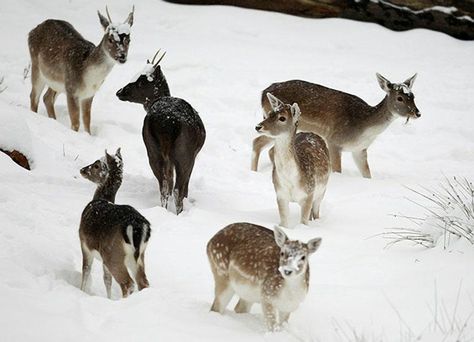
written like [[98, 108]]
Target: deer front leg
[[73, 108], [283, 209], [86, 114], [271, 316], [258, 144], [335, 157], [49, 98], [360, 158]]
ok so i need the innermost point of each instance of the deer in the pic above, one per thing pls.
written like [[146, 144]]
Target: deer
[[64, 62], [173, 131], [115, 234], [345, 121], [301, 165], [260, 266]]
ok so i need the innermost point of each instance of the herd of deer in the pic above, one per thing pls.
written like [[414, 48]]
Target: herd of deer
[[309, 126]]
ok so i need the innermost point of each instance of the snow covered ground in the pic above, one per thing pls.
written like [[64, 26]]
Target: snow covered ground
[[219, 59]]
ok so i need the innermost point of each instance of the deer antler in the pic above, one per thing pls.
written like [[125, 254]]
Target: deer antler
[[156, 54], [163, 55], [108, 14]]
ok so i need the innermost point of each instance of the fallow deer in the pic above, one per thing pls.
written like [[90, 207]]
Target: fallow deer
[[345, 121], [260, 266], [65, 62], [301, 165], [172, 131], [116, 234]]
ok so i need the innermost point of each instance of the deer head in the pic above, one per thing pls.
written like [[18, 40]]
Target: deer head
[[400, 98], [294, 254], [282, 119], [98, 171], [117, 36], [148, 85]]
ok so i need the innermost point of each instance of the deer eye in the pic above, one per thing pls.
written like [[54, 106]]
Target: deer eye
[[282, 118], [282, 254], [400, 99], [96, 166], [303, 258]]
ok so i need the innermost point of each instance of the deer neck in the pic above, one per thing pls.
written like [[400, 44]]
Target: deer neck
[[99, 60], [109, 188], [285, 149], [160, 89], [381, 116]]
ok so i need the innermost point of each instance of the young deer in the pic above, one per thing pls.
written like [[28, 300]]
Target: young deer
[[116, 234], [65, 62], [345, 121], [300, 161], [260, 266], [172, 131]]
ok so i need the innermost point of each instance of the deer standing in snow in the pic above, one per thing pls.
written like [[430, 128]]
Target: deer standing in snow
[[260, 266], [345, 121], [65, 62], [172, 131], [300, 161], [116, 234]]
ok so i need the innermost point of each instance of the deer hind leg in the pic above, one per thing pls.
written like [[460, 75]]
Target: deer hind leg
[[184, 169], [86, 113], [283, 210], [335, 157], [73, 108], [271, 316], [243, 306], [120, 273], [87, 259], [137, 267], [360, 158], [223, 293], [166, 182], [284, 316], [306, 206], [49, 98], [258, 145], [318, 197], [107, 281], [37, 86]]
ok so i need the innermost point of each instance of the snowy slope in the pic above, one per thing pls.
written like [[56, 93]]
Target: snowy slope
[[219, 59]]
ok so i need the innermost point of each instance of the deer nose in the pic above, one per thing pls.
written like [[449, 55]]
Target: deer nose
[[417, 114], [258, 128]]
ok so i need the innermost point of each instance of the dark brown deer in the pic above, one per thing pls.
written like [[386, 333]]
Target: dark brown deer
[[345, 121], [260, 266], [116, 234], [172, 131], [300, 161], [63, 61]]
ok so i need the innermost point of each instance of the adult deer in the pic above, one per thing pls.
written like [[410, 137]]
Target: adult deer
[[345, 121], [172, 131], [65, 62], [260, 266]]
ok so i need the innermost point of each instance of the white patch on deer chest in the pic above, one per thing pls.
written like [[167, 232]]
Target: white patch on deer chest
[[365, 139], [289, 179], [92, 79], [291, 294], [246, 286]]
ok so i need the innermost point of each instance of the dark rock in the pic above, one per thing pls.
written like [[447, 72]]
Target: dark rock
[[398, 15]]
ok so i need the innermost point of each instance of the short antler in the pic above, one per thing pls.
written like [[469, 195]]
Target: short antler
[[108, 14], [156, 54], [159, 60]]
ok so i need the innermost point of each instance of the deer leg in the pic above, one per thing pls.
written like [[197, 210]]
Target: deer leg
[[271, 316], [120, 273], [49, 98], [183, 174], [223, 293], [243, 306], [258, 144], [360, 158], [318, 197], [87, 260], [37, 86], [335, 157], [86, 113], [107, 281], [140, 277], [306, 206], [283, 209], [73, 108], [271, 155], [284, 316], [166, 184]]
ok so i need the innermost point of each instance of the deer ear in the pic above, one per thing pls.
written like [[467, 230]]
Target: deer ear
[[118, 153], [280, 236], [385, 84], [274, 102], [129, 19], [409, 82], [295, 111], [103, 20], [314, 244]]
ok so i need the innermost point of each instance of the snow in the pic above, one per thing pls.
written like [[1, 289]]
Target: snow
[[15, 134], [148, 71], [220, 69], [117, 29]]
